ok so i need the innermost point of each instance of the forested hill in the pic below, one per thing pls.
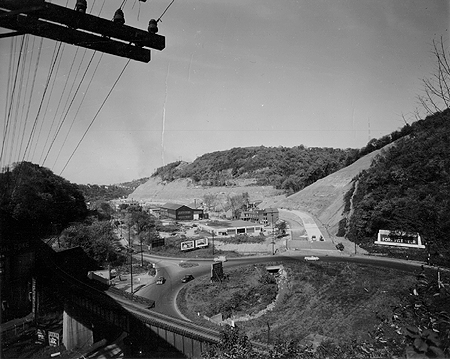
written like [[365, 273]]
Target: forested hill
[[94, 192], [290, 169], [407, 188], [285, 168]]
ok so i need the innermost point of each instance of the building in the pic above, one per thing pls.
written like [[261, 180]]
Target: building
[[231, 228], [180, 212], [267, 216], [256, 215], [271, 216]]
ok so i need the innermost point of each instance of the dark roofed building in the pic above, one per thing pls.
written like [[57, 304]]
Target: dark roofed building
[[180, 212]]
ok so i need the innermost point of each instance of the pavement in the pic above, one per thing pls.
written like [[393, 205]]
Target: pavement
[[139, 281]]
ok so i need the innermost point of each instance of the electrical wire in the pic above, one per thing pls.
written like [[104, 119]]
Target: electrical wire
[[60, 101], [11, 103], [167, 8], [90, 125], [19, 96], [31, 95], [42, 100], [78, 109], [26, 100], [48, 99], [73, 98]]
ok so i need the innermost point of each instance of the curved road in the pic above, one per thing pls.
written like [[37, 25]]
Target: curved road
[[165, 295]]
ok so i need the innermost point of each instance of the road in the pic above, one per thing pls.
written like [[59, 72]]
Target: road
[[165, 295]]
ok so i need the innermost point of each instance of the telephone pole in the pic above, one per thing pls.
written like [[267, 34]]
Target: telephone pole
[[44, 19]]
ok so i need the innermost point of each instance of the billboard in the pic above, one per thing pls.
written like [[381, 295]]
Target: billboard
[[399, 238], [185, 246], [202, 242], [53, 339]]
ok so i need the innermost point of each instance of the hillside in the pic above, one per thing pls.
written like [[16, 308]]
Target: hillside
[[408, 189], [324, 199], [287, 168], [185, 191]]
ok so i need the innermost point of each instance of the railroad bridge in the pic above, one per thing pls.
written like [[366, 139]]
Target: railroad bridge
[[92, 313]]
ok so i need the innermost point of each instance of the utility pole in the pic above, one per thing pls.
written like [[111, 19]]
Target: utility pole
[[44, 19], [131, 269], [213, 242]]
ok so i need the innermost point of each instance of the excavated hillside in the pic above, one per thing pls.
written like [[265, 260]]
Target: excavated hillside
[[184, 191], [323, 199]]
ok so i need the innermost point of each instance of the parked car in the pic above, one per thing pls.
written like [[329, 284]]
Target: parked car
[[187, 278], [161, 280], [311, 258]]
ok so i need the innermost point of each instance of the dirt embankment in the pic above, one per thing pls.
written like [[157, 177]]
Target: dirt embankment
[[184, 191]]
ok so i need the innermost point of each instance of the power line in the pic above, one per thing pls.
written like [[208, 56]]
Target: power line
[[78, 109], [73, 98], [60, 101], [11, 103], [31, 95], [167, 8], [104, 101], [42, 101]]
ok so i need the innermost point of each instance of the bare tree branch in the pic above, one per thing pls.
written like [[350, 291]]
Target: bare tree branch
[[436, 96]]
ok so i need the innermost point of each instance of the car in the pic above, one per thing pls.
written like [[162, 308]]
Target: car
[[187, 278], [311, 258], [161, 280]]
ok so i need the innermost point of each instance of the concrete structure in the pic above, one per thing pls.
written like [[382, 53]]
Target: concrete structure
[[76, 335], [227, 228], [180, 212]]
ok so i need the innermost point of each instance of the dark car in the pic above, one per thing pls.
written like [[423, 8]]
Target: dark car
[[187, 278]]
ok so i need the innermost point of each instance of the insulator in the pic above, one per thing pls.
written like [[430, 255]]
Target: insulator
[[81, 6], [119, 17], [153, 26]]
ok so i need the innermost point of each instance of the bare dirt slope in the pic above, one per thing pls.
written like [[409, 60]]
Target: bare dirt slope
[[324, 199], [183, 191]]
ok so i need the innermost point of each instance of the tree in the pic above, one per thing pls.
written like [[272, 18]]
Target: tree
[[436, 97], [35, 202], [143, 223], [97, 240]]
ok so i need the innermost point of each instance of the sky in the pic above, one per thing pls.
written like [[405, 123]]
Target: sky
[[234, 73]]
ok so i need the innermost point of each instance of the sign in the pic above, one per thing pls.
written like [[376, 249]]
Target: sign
[[41, 336], [53, 339], [202, 242], [399, 239], [185, 246], [216, 272]]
